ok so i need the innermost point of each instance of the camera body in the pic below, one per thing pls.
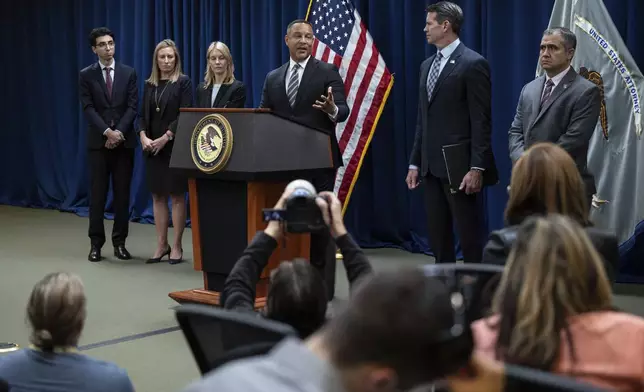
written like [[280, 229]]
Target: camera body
[[301, 214]]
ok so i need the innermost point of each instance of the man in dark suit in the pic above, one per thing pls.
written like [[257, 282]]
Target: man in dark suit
[[311, 92], [454, 107], [109, 96], [561, 106]]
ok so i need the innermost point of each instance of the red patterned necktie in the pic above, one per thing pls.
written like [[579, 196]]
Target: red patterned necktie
[[108, 81]]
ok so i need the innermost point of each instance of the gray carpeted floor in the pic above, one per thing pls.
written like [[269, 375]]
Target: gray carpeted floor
[[130, 299]]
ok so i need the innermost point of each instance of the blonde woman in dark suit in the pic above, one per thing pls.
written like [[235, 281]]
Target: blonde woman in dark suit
[[220, 89], [166, 91]]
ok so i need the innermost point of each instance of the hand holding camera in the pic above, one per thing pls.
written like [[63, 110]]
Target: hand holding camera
[[301, 210], [331, 213]]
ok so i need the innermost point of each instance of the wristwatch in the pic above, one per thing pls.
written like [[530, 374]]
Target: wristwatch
[[169, 135]]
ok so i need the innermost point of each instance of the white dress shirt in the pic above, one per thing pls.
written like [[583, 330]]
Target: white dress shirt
[[111, 70], [300, 72], [446, 52]]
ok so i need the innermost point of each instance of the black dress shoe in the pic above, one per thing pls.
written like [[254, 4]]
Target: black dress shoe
[[94, 254], [121, 253], [153, 260]]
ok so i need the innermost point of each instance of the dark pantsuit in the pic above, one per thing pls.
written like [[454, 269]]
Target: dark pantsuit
[[117, 164], [461, 209]]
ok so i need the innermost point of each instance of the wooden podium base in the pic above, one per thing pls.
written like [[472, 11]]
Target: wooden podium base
[[205, 297], [258, 195], [209, 297]]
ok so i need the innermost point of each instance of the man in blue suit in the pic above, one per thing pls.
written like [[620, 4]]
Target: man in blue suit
[[454, 108]]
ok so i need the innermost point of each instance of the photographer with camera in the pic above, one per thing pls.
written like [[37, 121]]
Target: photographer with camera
[[297, 294]]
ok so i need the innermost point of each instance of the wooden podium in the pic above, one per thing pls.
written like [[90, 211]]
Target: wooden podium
[[268, 151]]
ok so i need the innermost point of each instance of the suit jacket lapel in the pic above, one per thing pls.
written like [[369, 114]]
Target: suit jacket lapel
[[311, 66], [163, 93], [119, 81], [556, 93], [535, 95], [146, 104], [281, 84], [424, 74], [223, 95], [452, 62], [206, 96], [98, 74]]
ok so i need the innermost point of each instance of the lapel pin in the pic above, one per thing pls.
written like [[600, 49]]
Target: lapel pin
[[565, 86], [452, 61]]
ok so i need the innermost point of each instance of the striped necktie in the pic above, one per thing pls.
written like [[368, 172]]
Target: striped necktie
[[293, 85]]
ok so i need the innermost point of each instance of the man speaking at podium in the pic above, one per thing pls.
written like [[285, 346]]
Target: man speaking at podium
[[311, 92]]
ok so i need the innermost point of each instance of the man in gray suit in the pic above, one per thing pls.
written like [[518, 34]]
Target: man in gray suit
[[561, 106]]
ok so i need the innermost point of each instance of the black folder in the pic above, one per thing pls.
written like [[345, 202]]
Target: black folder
[[457, 163]]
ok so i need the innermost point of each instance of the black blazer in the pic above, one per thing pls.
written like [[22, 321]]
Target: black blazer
[[500, 243], [177, 95], [117, 112], [229, 96], [459, 112], [316, 79]]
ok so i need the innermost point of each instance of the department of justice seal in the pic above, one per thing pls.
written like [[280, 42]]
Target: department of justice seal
[[211, 143]]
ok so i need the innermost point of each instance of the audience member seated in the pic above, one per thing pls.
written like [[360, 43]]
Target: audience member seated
[[545, 180], [297, 294], [395, 334], [56, 312], [552, 310]]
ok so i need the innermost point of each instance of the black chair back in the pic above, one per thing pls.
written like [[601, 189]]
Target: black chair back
[[522, 379], [217, 336], [474, 280]]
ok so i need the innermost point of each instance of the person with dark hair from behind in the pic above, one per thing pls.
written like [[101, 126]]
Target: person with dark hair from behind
[[297, 295], [553, 310], [56, 312], [393, 335], [545, 180]]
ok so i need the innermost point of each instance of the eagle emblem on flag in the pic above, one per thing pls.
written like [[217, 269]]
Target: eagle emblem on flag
[[596, 78]]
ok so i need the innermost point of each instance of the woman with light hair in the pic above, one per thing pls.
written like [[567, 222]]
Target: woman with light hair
[[553, 310], [166, 91], [220, 89], [56, 312]]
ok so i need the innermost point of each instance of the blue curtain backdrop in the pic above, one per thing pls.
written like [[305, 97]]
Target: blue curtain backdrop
[[42, 149]]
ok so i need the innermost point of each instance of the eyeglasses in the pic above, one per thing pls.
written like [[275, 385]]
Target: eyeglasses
[[103, 45]]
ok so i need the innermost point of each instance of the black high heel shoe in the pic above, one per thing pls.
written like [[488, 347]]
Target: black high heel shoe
[[176, 261], [158, 259]]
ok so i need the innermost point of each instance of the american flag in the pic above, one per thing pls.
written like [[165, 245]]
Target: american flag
[[342, 39]]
